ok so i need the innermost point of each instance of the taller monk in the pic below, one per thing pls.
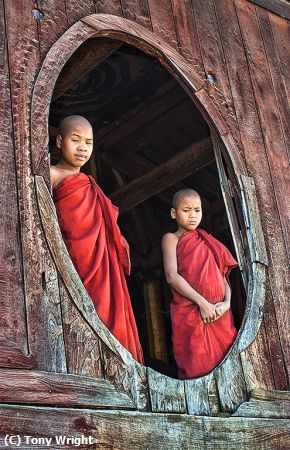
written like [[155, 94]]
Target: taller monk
[[88, 222]]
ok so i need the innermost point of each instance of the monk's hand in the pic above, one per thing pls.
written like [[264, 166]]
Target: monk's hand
[[207, 312], [221, 308]]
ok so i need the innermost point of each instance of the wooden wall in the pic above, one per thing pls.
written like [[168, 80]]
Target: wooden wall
[[245, 51]]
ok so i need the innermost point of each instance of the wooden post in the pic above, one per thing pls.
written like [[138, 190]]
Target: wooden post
[[154, 315]]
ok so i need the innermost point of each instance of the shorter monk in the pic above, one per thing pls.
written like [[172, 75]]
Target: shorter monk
[[88, 222], [197, 267]]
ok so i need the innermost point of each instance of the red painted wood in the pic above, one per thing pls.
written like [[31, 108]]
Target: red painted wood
[[277, 70], [280, 7], [137, 11], [12, 303], [251, 137], [42, 300], [215, 65], [163, 21], [281, 35], [187, 35], [53, 24], [77, 9], [277, 164], [109, 7]]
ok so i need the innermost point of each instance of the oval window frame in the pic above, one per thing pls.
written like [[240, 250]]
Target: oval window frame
[[215, 391]]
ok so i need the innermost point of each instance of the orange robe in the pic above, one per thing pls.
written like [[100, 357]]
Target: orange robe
[[203, 262], [88, 221]]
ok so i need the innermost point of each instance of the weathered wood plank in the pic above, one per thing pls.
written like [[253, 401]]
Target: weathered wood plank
[[129, 377], [263, 403], [76, 9], [82, 346], [12, 356], [109, 7], [230, 381], [255, 306], [256, 362], [213, 57], [42, 299], [275, 68], [276, 161], [281, 35], [128, 430], [246, 434], [269, 117], [273, 344], [12, 304], [166, 394], [257, 165], [202, 396], [260, 408], [44, 388], [162, 20], [187, 36], [137, 11], [270, 394], [279, 7], [182, 165], [53, 24], [252, 220]]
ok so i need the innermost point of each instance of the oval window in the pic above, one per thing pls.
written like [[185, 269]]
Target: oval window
[[150, 141]]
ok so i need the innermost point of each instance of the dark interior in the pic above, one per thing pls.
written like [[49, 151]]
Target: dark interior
[[142, 119]]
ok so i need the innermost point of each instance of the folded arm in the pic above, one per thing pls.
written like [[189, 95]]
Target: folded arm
[[178, 283]]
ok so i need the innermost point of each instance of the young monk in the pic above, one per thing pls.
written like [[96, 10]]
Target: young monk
[[197, 267], [88, 222]]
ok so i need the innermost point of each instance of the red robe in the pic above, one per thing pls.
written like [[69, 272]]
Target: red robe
[[203, 262], [88, 221]]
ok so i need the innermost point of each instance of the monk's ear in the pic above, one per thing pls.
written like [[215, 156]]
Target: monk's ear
[[58, 141], [173, 213]]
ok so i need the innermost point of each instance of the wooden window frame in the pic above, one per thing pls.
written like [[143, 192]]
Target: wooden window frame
[[225, 386]]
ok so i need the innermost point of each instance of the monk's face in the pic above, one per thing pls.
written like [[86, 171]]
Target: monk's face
[[188, 213], [76, 144]]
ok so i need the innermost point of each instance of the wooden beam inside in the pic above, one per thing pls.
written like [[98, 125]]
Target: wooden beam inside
[[186, 162], [82, 62], [134, 165]]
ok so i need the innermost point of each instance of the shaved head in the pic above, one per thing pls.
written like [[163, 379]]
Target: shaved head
[[70, 122], [183, 193]]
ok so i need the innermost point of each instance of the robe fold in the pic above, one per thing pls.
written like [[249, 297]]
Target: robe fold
[[199, 347], [88, 222]]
